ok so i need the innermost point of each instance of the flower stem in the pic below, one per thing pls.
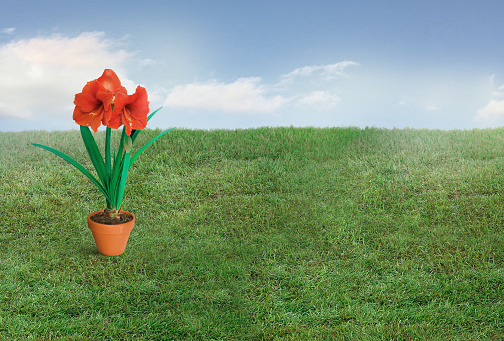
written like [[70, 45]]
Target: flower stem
[[108, 159], [107, 149]]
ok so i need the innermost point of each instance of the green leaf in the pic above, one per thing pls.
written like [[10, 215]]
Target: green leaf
[[78, 166], [124, 174], [107, 150], [95, 155], [117, 169], [153, 113], [140, 151]]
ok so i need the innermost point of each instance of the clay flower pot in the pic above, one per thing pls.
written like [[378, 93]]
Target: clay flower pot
[[111, 240]]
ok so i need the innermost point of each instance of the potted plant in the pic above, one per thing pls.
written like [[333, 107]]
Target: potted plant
[[105, 101]]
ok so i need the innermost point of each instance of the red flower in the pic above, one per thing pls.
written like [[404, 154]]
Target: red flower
[[133, 114], [99, 100]]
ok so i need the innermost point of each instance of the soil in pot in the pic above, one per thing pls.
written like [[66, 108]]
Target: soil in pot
[[103, 217]]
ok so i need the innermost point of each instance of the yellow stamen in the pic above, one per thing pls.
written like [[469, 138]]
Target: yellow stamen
[[93, 113]]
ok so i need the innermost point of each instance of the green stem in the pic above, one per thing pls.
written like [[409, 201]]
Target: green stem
[[107, 149], [124, 173], [108, 158]]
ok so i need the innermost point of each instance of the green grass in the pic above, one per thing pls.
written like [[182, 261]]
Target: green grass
[[261, 234]]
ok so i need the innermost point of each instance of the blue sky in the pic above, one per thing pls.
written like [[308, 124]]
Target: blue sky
[[240, 64]]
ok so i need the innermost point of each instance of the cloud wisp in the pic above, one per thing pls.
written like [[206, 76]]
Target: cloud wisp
[[8, 30], [327, 72], [319, 99]]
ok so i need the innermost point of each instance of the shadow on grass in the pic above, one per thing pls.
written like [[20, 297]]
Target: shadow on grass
[[89, 250]]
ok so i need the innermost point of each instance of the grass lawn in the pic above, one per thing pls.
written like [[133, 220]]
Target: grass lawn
[[260, 234]]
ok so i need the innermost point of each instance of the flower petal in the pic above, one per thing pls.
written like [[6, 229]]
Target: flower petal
[[139, 105], [90, 119], [114, 118], [135, 112], [86, 100], [111, 82]]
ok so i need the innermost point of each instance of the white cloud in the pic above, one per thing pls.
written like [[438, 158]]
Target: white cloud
[[40, 76], [319, 99], [499, 92], [327, 72], [432, 107], [245, 95], [494, 110], [87, 49], [8, 30], [147, 61], [249, 95]]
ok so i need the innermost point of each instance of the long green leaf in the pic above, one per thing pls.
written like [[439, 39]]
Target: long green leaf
[[153, 113], [124, 174], [116, 170], [78, 166], [95, 155], [140, 151], [107, 149]]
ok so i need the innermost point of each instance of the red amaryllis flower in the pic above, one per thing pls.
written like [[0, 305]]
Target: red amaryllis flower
[[133, 114], [98, 100]]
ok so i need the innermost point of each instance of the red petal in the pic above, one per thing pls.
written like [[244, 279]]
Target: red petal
[[92, 120], [120, 100], [114, 122], [139, 106], [135, 113], [86, 100], [106, 97], [111, 82], [113, 119]]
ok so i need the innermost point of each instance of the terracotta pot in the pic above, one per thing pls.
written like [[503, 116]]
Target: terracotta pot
[[111, 240]]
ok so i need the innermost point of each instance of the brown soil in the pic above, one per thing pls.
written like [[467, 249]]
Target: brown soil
[[104, 218]]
